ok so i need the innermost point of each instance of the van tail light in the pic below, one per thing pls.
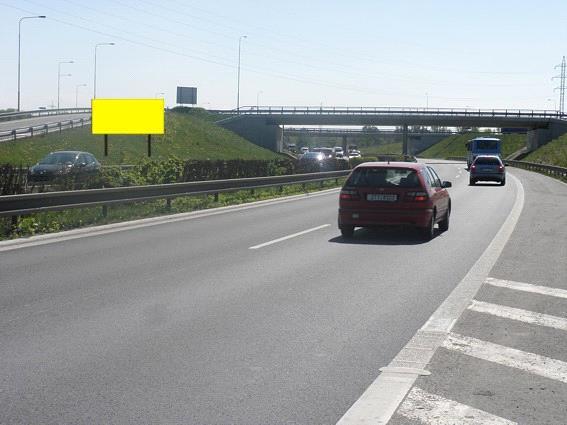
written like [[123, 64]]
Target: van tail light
[[417, 196], [349, 195]]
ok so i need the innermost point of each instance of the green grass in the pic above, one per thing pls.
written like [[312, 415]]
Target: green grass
[[373, 150], [187, 136], [455, 145], [553, 153], [49, 222]]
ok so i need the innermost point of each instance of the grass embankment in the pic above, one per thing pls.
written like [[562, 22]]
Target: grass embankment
[[455, 145], [384, 148], [553, 153], [188, 135], [50, 222]]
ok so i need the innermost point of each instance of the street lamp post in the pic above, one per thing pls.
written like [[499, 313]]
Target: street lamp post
[[238, 83], [258, 99], [20, 48], [426, 100], [59, 78], [77, 94], [96, 46]]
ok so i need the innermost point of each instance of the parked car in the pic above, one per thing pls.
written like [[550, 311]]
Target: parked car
[[395, 193], [487, 168], [64, 163]]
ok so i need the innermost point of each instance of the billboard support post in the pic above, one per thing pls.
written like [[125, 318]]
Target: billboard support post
[[106, 145], [149, 145]]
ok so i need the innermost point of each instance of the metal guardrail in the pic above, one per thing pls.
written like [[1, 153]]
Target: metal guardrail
[[349, 110], [9, 116], [16, 205], [35, 130], [551, 170]]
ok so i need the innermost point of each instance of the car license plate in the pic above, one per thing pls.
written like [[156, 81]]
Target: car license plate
[[384, 197]]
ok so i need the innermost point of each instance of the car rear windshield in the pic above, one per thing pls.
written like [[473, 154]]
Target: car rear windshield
[[58, 158], [487, 161], [384, 177]]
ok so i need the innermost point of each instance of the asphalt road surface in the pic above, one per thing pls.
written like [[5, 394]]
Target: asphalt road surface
[[185, 323], [46, 119]]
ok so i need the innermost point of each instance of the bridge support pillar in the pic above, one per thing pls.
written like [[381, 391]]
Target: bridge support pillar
[[405, 147], [257, 130], [345, 144]]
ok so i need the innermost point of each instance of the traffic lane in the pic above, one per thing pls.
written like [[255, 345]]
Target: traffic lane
[[543, 228], [35, 277], [288, 342], [31, 122]]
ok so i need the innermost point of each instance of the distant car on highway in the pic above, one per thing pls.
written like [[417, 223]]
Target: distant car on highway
[[328, 152], [487, 168], [312, 157], [64, 163], [304, 149], [354, 154], [338, 149], [395, 193]]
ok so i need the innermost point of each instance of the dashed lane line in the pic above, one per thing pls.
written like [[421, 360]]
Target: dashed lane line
[[432, 409], [519, 315], [527, 287], [506, 356], [285, 238]]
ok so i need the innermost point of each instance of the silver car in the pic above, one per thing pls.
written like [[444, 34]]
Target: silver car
[[487, 168]]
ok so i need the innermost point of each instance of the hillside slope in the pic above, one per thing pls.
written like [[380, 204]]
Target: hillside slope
[[187, 136], [455, 145], [553, 153]]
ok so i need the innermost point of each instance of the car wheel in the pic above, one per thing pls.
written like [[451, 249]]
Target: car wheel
[[429, 231], [444, 224], [347, 231], [502, 182], [471, 182]]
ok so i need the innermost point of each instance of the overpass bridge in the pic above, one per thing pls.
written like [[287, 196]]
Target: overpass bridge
[[263, 125]]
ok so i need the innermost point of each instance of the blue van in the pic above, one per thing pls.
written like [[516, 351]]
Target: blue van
[[482, 146]]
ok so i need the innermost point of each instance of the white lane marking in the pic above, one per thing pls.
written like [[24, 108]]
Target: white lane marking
[[432, 409], [527, 287], [147, 222], [506, 356], [285, 238], [381, 399], [520, 315]]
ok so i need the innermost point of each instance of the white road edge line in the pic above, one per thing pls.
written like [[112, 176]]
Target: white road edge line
[[527, 287], [285, 238], [104, 229], [506, 356], [432, 409], [519, 315], [381, 399]]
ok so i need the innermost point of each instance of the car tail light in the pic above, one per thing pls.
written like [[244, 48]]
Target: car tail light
[[349, 195], [501, 168], [473, 167], [417, 196]]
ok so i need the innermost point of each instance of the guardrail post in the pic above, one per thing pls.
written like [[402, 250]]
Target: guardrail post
[[46, 128], [71, 123], [14, 224], [321, 183], [303, 186], [216, 196], [280, 188], [251, 191], [104, 211], [14, 134], [168, 203], [31, 131], [60, 129]]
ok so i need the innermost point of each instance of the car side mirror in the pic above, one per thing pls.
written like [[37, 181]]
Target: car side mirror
[[445, 185]]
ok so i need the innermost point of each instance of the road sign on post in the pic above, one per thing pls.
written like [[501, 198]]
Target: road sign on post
[[128, 116]]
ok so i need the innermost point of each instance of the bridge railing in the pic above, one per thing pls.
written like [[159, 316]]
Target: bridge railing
[[42, 129], [365, 110]]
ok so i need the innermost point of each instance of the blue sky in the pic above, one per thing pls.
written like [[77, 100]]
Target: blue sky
[[479, 54]]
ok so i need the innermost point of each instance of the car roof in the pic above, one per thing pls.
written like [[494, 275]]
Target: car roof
[[70, 152], [487, 156], [485, 138], [392, 164]]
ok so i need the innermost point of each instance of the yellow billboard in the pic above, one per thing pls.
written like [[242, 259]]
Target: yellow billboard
[[127, 116]]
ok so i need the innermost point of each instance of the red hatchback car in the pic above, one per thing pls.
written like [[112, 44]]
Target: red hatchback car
[[395, 193]]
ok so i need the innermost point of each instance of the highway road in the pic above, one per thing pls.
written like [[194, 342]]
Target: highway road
[[259, 314], [34, 121]]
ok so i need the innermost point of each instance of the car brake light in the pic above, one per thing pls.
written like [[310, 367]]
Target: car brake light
[[473, 167], [349, 195], [416, 196], [501, 168]]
